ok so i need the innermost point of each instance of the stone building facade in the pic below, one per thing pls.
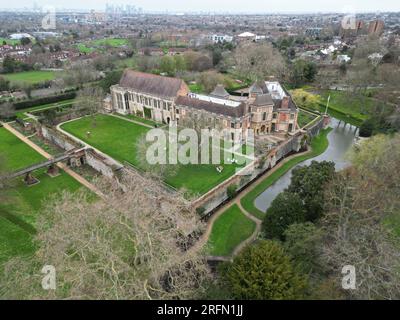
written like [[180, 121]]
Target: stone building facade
[[267, 109]]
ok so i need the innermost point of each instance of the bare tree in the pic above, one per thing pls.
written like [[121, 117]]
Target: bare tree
[[79, 73], [360, 203], [89, 101], [259, 61], [7, 110], [129, 245], [158, 171]]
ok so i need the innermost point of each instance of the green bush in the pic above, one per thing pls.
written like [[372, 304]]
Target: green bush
[[231, 191], [44, 100], [263, 272]]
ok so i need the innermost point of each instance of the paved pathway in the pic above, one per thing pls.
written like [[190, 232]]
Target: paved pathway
[[61, 165], [131, 120]]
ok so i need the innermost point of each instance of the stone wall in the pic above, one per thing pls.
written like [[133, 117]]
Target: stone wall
[[57, 138], [316, 127], [217, 196], [100, 163]]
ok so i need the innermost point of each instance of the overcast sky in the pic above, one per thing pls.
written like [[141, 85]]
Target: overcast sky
[[254, 6]]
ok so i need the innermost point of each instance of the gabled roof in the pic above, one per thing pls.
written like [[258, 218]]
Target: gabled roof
[[258, 87], [235, 112], [160, 86], [255, 89], [263, 100], [220, 92], [278, 105]]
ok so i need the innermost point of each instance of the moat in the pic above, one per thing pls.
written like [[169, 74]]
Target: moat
[[341, 138]]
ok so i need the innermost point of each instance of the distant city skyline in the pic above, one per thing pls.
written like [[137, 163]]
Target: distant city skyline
[[231, 6]]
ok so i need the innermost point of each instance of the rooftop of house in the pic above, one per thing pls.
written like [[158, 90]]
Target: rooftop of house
[[213, 105], [220, 92], [147, 83]]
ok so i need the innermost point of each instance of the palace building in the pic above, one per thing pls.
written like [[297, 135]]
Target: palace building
[[267, 109]]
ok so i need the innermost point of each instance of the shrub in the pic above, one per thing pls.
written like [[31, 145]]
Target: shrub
[[231, 191], [263, 272]]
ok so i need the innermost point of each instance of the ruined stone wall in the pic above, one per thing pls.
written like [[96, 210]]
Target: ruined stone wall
[[58, 139], [99, 163]]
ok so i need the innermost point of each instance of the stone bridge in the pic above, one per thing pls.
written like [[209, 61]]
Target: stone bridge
[[73, 156]]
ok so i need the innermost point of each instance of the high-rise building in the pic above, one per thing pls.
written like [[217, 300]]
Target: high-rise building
[[376, 27]]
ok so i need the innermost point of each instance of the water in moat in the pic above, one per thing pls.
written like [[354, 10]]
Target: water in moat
[[341, 138]]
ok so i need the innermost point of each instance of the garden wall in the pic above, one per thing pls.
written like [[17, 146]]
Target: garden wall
[[217, 196], [57, 138]]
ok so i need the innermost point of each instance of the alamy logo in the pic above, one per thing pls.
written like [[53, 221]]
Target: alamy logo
[[210, 146], [49, 280], [349, 278], [349, 21], [49, 20]]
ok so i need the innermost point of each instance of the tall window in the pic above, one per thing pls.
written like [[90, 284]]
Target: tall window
[[120, 103]]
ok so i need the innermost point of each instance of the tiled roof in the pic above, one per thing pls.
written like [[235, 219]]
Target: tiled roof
[[235, 112], [263, 100], [220, 92], [151, 84]]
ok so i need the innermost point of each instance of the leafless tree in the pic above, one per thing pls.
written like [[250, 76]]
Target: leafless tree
[[259, 61], [7, 110], [360, 204], [130, 245], [89, 101], [79, 73]]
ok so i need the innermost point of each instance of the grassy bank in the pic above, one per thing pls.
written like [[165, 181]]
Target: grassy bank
[[319, 144], [229, 230]]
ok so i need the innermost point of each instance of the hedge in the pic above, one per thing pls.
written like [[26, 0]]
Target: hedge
[[44, 100]]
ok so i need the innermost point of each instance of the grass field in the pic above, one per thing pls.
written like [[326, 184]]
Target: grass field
[[139, 119], [10, 42], [118, 139], [18, 215], [100, 44], [30, 77], [346, 106], [229, 230], [319, 144], [17, 154], [112, 42]]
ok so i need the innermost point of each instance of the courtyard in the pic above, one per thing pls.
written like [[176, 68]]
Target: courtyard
[[118, 138]]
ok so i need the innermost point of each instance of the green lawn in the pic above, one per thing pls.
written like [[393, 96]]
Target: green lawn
[[18, 215], [100, 44], [83, 48], [10, 42], [319, 144], [229, 230], [139, 119], [112, 42], [17, 154], [30, 77], [118, 138], [346, 106], [305, 118], [196, 88]]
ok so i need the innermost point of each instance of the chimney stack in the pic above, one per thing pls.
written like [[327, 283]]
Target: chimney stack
[[285, 102]]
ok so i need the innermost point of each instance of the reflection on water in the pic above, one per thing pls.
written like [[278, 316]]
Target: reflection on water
[[340, 141]]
